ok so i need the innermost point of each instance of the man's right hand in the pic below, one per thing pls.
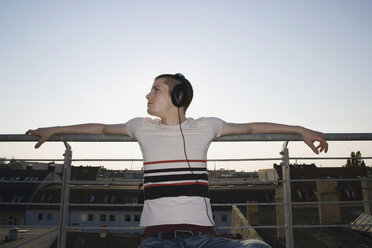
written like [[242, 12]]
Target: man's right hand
[[43, 133]]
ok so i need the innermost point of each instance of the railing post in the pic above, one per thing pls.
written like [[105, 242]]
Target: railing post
[[287, 197], [65, 192]]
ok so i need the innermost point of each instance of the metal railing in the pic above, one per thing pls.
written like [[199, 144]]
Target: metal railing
[[285, 158]]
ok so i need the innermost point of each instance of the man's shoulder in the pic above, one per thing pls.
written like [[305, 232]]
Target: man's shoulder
[[137, 123], [209, 119], [144, 120], [214, 123]]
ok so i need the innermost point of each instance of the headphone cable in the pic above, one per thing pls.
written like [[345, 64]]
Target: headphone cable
[[197, 182]]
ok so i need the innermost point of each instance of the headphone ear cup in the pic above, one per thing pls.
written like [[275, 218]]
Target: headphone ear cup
[[180, 95]]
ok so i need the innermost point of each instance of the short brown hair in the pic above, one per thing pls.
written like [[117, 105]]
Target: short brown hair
[[172, 80]]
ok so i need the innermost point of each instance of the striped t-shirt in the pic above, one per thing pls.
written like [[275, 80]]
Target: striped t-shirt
[[174, 194]]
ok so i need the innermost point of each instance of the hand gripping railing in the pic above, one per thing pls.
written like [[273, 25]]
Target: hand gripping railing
[[231, 138]]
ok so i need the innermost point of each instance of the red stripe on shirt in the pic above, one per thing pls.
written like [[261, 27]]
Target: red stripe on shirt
[[174, 184], [174, 161]]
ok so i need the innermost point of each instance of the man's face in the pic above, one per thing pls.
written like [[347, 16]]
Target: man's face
[[159, 102]]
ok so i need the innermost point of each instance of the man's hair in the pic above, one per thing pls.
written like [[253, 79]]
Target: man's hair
[[172, 80]]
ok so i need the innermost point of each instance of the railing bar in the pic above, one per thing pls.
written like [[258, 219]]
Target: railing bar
[[331, 179], [29, 204], [209, 160], [212, 182], [232, 181], [330, 202], [139, 228], [65, 196], [23, 181], [220, 227], [241, 137], [126, 205], [28, 226], [107, 182], [298, 226], [213, 204], [324, 158]]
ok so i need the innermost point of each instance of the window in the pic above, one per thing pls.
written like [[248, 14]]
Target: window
[[351, 194], [10, 221], [105, 199], [224, 218], [49, 216], [90, 217], [92, 198], [43, 196], [136, 218], [112, 218], [40, 216], [127, 218], [103, 217], [134, 200], [78, 199], [314, 191], [128, 200], [20, 198], [302, 195], [14, 199], [50, 198], [113, 199]]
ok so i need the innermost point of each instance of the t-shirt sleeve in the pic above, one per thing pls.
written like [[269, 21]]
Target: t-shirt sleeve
[[216, 125], [132, 126]]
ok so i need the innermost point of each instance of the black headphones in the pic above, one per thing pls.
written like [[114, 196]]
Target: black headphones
[[182, 93]]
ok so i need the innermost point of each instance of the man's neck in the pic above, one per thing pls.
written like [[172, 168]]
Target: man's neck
[[174, 119]]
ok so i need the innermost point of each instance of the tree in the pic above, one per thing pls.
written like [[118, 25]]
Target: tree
[[355, 160]]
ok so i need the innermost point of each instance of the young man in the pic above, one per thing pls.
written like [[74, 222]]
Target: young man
[[177, 211]]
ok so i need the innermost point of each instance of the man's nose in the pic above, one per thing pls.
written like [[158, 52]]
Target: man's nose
[[148, 96]]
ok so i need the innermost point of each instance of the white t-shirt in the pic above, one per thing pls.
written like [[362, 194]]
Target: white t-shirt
[[174, 194]]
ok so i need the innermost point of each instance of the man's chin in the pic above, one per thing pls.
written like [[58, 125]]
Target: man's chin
[[151, 113]]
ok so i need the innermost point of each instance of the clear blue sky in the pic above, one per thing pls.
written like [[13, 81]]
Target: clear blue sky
[[295, 62]]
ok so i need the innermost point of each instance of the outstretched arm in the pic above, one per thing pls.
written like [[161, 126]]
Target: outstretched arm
[[90, 128], [308, 136]]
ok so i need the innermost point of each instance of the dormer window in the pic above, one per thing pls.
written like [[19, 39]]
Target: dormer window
[[50, 197], [92, 198]]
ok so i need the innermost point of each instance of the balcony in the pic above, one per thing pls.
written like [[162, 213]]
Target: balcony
[[292, 209]]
